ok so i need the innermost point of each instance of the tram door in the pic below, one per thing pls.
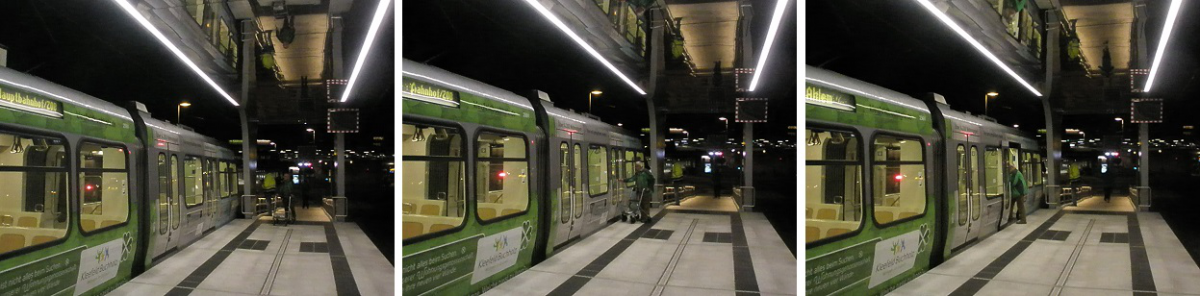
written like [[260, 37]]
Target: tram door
[[167, 226], [968, 195], [570, 194], [616, 188]]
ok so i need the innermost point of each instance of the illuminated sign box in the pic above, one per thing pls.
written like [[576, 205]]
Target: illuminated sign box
[[429, 93], [342, 121], [12, 98], [1146, 110], [742, 77], [751, 110]]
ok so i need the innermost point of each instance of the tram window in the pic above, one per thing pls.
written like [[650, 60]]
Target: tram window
[[963, 191], [833, 184], [907, 157], [578, 165], [1027, 167], [614, 160], [164, 188], [975, 176], [222, 179], [33, 190], [504, 191], [193, 193], [1038, 172], [564, 185], [175, 191], [629, 167], [597, 171], [434, 182], [103, 186], [994, 172]]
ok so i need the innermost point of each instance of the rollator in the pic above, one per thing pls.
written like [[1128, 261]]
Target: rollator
[[633, 213]]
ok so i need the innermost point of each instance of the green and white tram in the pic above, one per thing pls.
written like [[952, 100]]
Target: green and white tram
[[79, 181], [494, 182], [896, 185]]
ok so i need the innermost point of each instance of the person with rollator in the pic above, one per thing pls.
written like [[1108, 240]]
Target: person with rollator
[[639, 206]]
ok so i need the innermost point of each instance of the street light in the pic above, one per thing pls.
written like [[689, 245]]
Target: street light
[[596, 93], [985, 101], [726, 120], [178, 109], [314, 132], [1122, 124]]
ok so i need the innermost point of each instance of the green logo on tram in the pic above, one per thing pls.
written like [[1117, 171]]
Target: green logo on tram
[[822, 96], [426, 92]]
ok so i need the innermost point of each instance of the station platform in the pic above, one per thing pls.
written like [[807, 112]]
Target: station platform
[[1094, 248], [254, 257], [682, 252]]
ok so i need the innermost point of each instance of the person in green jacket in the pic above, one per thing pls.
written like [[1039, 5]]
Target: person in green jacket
[[1017, 190], [643, 182]]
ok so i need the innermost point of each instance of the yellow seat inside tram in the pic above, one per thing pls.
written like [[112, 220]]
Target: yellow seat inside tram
[[883, 217], [836, 231], [827, 214], [487, 213], [41, 239], [431, 209], [108, 223], [413, 229], [507, 212], [440, 227], [811, 233], [88, 224], [11, 241], [31, 222]]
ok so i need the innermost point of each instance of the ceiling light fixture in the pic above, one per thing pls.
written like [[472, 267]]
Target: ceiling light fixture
[[380, 11], [1162, 42], [962, 33], [780, 8], [179, 54], [561, 26]]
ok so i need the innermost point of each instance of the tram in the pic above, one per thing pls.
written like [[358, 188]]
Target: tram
[[895, 185], [92, 194], [494, 182]]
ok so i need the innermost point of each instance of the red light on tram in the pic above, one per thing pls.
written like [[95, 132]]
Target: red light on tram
[[899, 177], [89, 187], [502, 174]]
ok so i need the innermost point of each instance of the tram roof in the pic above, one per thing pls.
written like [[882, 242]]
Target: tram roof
[[458, 82], [863, 89], [34, 84]]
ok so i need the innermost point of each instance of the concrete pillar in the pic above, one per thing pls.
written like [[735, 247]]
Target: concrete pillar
[[340, 140], [1053, 186], [1143, 188], [249, 137], [657, 130]]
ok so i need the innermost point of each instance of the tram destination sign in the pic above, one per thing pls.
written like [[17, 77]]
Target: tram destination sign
[[751, 110], [12, 98], [826, 97], [429, 93], [1146, 111]]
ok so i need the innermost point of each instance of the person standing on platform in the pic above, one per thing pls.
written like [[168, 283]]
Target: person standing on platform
[[643, 182], [1108, 178], [1017, 189]]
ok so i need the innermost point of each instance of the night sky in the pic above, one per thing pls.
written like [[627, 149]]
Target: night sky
[[509, 45], [901, 46], [96, 48]]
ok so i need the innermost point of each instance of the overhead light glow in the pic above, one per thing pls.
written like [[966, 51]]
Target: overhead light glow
[[766, 51], [561, 26], [175, 50], [362, 54], [961, 33], [1162, 42]]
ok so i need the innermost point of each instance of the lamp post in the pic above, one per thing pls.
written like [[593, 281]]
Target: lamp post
[[314, 132], [593, 93], [178, 109], [1122, 120], [726, 120], [985, 101]]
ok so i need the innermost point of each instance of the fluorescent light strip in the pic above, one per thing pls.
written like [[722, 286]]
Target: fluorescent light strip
[[122, 116], [380, 11], [962, 33], [561, 26], [922, 109], [766, 51], [466, 89], [1162, 42], [179, 54]]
